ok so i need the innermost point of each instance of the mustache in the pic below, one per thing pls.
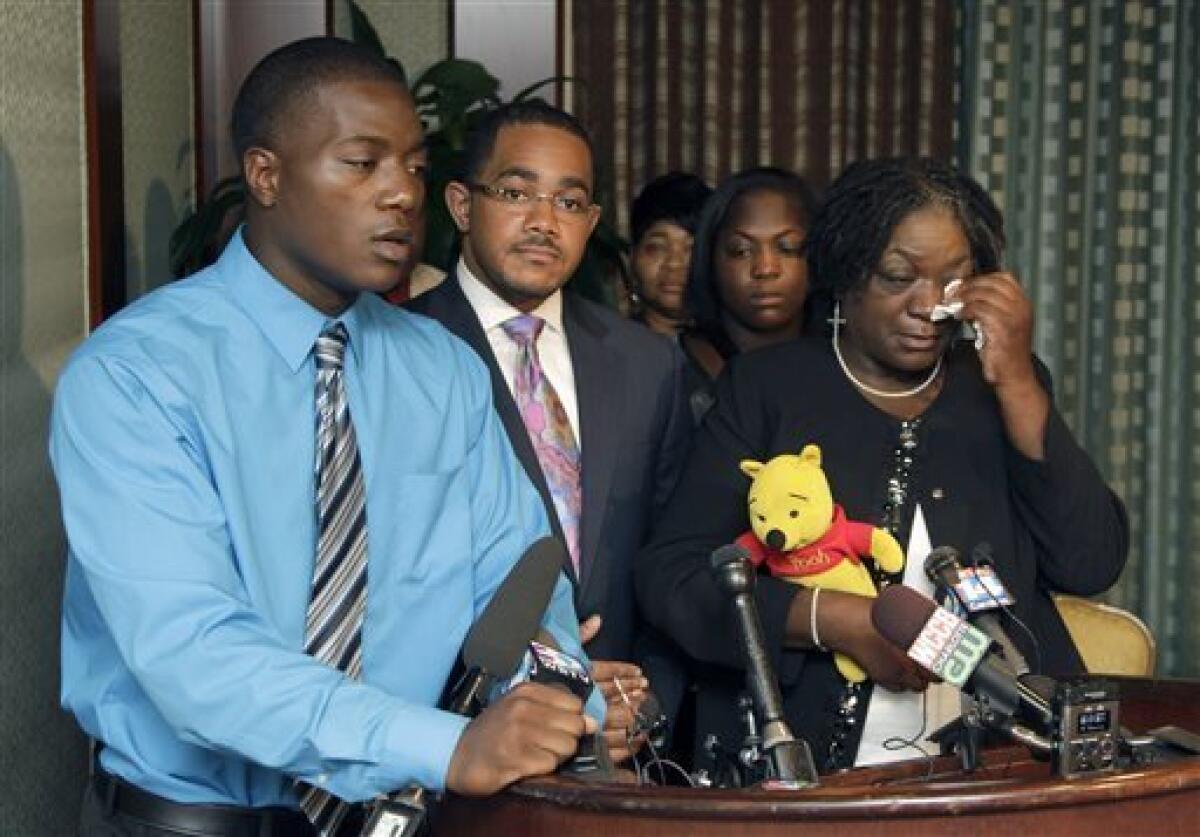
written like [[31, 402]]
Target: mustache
[[538, 240]]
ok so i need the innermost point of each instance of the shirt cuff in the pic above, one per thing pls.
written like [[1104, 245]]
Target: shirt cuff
[[420, 744]]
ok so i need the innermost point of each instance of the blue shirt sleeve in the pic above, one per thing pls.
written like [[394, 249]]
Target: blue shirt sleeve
[[150, 543], [147, 530]]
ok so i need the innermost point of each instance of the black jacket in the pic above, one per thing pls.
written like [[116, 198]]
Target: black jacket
[[1051, 526], [635, 430]]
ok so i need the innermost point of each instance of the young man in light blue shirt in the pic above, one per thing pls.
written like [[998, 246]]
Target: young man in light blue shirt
[[183, 442]]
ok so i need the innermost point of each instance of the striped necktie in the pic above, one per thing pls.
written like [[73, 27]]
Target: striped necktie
[[333, 631], [549, 429]]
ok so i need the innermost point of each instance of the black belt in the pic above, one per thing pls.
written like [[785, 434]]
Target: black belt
[[129, 800]]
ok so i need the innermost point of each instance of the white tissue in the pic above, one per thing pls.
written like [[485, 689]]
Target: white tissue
[[945, 310], [953, 309]]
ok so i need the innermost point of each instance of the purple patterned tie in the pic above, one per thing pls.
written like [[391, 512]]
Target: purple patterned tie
[[549, 429]]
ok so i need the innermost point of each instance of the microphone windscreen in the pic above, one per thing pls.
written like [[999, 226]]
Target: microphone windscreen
[[497, 641], [900, 613], [938, 561], [651, 707], [650, 720], [730, 553]]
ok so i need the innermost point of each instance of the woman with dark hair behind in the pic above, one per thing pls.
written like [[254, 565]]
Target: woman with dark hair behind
[[748, 282], [662, 221], [938, 440]]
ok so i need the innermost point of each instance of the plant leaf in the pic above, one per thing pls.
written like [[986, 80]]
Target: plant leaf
[[198, 237], [459, 77], [538, 85], [362, 32]]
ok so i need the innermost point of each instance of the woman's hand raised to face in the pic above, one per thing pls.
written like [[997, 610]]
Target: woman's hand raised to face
[[998, 305]]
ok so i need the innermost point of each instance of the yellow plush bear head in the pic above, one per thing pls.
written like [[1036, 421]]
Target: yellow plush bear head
[[790, 502]]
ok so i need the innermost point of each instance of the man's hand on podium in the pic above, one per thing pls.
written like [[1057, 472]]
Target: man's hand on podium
[[529, 731]]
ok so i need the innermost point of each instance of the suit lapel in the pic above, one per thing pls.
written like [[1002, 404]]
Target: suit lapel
[[451, 308], [599, 372]]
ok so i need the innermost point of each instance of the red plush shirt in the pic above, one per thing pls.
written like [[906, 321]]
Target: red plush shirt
[[845, 539]]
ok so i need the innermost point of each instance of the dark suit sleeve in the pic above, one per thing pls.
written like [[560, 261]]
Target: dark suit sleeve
[[1078, 522], [676, 435], [675, 587]]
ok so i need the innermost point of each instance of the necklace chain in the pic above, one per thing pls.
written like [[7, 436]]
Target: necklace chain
[[879, 393]]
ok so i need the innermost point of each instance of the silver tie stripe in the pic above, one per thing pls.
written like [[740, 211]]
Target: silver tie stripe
[[333, 632]]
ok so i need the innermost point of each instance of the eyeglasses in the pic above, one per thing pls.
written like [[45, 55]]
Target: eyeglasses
[[574, 203]]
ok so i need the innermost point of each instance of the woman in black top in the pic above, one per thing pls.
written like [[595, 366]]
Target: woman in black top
[[747, 282], [907, 416]]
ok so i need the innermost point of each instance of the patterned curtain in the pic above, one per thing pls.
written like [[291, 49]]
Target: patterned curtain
[[714, 86], [1082, 119]]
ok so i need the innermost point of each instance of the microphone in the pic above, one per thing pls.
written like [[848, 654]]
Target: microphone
[[553, 667], [958, 653], [650, 720], [496, 643], [493, 648], [790, 758], [980, 592], [1075, 720]]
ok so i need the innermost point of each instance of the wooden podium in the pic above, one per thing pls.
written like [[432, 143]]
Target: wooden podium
[[1010, 794]]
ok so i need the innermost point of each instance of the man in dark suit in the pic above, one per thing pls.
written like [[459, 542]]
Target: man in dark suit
[[593, 404]]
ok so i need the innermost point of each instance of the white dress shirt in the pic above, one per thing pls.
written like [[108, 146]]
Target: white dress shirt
[[900, 714], [553, 351]]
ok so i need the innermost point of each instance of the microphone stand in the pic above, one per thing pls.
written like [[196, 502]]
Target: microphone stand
[[790, 760], [979, 717]]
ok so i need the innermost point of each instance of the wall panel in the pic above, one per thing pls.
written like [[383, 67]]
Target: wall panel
[[42, 317]]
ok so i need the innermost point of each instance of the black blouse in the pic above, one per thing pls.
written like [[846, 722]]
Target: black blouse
[[1051, 526]]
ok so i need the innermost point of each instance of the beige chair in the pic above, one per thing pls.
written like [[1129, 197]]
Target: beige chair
[[1110, 640]]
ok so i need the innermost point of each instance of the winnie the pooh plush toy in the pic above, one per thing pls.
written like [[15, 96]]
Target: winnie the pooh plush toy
[[804, 538]]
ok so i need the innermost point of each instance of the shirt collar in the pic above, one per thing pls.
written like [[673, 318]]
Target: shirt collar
[[288, 322], [493, 311]]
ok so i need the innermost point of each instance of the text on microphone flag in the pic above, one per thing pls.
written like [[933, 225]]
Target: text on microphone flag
[[949, 647], [980, 589]]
